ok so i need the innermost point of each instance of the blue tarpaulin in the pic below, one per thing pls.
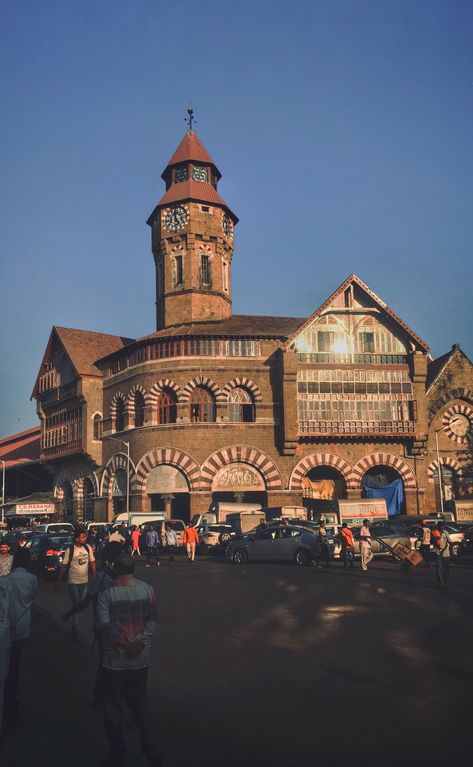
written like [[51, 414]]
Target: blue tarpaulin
[[393, 493]]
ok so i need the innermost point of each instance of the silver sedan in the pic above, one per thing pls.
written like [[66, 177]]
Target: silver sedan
[[286, 542]]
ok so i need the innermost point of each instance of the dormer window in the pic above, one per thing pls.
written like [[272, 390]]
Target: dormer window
[[200, 173], [180, 174]]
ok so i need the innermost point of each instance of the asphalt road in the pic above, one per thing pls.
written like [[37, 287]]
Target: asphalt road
[[271, 664]]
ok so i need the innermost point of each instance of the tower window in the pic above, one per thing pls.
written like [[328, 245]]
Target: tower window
[[199, 173], [97, 427], [178, 271], [180, 174], [225, 276], [205, 270], [205, 209]]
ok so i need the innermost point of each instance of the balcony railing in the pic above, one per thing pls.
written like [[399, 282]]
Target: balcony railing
[[58, 394], [359, 428], [327, 358], [57, 451]]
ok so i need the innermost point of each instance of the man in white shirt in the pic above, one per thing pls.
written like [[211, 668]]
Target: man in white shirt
[[6, 558], [22, 585], [78, 558], [365, 545]]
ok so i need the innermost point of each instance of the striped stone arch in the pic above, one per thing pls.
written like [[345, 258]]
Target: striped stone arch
[[168, 456], [460, 393], [76, 480], [201, 381], [447, 461], [241, 454], [447, 418], [245, 383], [384, 459], [130, 404], [320, 459], [113, 404], [163, 383], [117, 461]]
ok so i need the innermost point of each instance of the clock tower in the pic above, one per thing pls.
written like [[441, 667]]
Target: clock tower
[[192, 240]]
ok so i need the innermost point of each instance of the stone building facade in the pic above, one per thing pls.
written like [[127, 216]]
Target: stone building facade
[[216, 406]]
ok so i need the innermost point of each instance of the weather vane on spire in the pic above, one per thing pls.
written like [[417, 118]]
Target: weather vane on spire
[[191, 119]]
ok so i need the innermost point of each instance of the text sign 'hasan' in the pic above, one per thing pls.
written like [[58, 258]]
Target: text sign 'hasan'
[[238, 476], [31, 509]]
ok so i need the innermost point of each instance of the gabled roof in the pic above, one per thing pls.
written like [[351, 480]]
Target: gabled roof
[[436, 367], [353, 279], [192, 190], [83, 347], [190, 148]]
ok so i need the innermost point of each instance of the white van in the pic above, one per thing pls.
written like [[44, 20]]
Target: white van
[[56, 528], [138, 517]]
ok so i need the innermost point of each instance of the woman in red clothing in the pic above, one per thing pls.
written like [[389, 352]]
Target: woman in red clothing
[[135, 541]]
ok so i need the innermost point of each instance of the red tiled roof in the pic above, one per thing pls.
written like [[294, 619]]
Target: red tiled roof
[[192, 190], [86, 346], [20, 448], [237, 325], [191, 148]]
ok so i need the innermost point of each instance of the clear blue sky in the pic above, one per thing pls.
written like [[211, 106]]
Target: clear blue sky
[[343, 129]]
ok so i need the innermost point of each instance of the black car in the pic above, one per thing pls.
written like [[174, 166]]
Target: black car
[[47, 553]]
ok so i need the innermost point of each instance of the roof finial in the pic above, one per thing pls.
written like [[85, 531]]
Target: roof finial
[[191, 119]]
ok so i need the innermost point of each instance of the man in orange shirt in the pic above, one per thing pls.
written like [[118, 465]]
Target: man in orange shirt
[[191, 539], [346, 542]]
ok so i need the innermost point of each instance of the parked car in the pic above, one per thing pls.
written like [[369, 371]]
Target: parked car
[[214, 537], [47, 553], [285, 542], [388, 532], [468, 541], [56, 528]]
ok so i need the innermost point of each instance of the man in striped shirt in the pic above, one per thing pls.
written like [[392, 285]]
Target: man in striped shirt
[[127, 614]]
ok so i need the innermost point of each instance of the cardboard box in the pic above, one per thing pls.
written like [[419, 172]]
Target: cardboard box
[[401, 550], [414, 558]]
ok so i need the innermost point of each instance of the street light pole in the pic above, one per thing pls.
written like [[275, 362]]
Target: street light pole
[[127, 445], [439, 467]]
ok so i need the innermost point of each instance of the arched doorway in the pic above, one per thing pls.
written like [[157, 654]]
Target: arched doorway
[[89, 498], [119, 491], [68, 502], [239, 483], [321, 487], [379, 477], [168, 490]]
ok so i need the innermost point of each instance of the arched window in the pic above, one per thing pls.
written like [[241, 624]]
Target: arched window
[[139, 409], [202, 405], [88, 499], [97, 426], [240, 405], [167, 406], [120, 415]]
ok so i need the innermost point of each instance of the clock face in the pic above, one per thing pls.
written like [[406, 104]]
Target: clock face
[[199, 173], [176, 218], [459, 424], [227, 225]]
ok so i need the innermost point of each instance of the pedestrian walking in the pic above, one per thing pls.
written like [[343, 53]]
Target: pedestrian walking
[[78, 560], [22, 585], [323, 551], [5, 642], [191, 539], [135, 541], [152, 546], [115, 536], [101, 582], [6, 558], [425, 544], [347, 546], [365, 544], [171, 542], [441, 542], [127, 614]]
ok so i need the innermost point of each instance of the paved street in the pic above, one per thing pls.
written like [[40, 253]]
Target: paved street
[[272, 664]]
